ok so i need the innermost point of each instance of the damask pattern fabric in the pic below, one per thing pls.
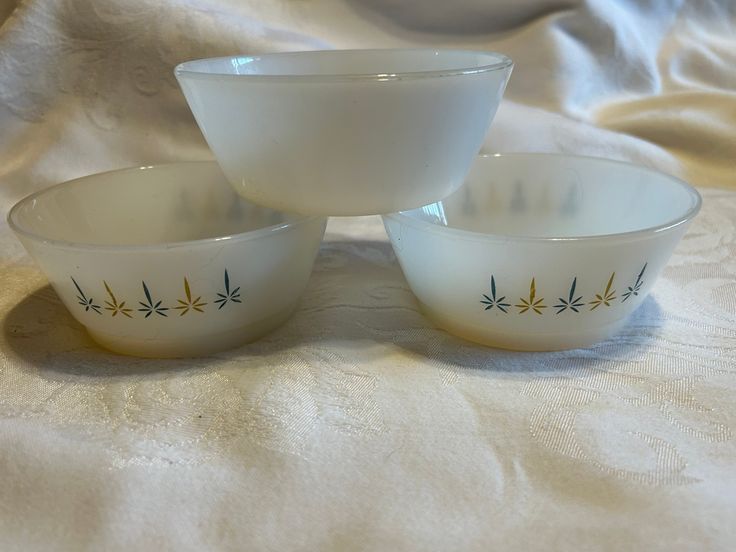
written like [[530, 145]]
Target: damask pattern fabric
[[358, 425]]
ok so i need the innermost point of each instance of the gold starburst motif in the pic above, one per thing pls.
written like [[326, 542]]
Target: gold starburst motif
[[606, 297], [114, 306], [532, 303], [190, 303]]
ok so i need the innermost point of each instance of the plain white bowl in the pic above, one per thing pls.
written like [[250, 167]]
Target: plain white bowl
[[350, 132], [168, 261], [542, 252]]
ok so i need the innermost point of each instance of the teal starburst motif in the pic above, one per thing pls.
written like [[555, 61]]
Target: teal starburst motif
[[88, 303], [572, 303], [150, 307], [229, 295], [494, 301], [634, 290]]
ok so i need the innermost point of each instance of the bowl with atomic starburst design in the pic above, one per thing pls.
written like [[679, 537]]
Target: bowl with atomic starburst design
[[168, 261], [542, 251]]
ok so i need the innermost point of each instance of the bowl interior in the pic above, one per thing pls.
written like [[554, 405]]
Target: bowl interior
[[386, 63], [557, 196], [145, 206]]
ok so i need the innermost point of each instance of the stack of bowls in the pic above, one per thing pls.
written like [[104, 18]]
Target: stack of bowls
[[533, 252]]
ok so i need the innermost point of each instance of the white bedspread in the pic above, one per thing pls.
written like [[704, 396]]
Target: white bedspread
[[357, 426]]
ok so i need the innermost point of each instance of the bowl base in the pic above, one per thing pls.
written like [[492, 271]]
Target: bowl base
[[527, 342], [200, 345]]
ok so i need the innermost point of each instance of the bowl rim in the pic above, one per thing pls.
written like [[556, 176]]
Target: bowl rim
[[161, 246], [502, 62], [641, 233]]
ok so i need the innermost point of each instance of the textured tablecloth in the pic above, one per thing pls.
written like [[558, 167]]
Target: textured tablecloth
[[357, 425]]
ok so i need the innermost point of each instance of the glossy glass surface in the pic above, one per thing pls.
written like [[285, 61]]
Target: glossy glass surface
[[542, 252], [146, 206], [346, 132], [557, 196], [168, 261], [350, 64]]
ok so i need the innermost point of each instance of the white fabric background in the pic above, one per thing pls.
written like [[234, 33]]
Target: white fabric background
[[358, 426]]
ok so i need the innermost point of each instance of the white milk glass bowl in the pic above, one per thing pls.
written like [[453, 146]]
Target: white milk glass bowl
[[346, 132], [542, 252], [168, 261]]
